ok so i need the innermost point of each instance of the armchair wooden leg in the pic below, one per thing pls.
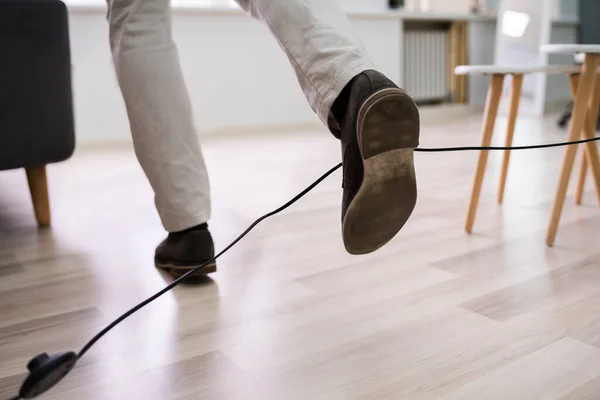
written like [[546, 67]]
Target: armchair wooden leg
[[489, 121], [515, 98], [586, 83], [38, 187]]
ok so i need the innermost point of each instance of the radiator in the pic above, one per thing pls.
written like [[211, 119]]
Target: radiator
[[426, 64]]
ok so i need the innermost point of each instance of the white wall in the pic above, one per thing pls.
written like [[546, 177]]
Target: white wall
[[238, 76], [236, 72], [558, 85], [566, 8], [365, 4], [481, 46], [454, 6], [482, 50]]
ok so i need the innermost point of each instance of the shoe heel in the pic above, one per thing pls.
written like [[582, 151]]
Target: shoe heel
[[387, 120], [388, 132], [177, 270]]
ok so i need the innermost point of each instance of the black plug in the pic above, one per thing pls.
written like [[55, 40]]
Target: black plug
[[45, 372]]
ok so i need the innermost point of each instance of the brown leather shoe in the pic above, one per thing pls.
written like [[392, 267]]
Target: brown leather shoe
[[379, 133], [183, 251]]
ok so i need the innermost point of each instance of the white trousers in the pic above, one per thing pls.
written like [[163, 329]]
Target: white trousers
[[316, 36]]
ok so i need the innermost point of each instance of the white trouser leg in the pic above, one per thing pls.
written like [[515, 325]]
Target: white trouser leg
[[320, 43], [159, 110], [316, 36]]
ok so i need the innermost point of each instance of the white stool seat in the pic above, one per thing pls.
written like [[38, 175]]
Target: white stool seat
[[514, 69], [571, 48]]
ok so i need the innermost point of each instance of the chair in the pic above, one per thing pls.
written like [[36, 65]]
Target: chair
[[521, 30], [498, 75], [36, 112]]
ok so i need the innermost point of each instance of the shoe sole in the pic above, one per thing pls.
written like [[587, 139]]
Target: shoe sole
[[179, 270], [388, 131]]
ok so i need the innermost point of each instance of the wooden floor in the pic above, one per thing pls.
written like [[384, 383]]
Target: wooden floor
[[437, 314]]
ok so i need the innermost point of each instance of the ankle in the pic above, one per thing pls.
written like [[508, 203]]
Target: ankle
[[340, 105], [200, 227]]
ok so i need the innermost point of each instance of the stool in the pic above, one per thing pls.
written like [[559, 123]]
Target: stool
[[498, 73]]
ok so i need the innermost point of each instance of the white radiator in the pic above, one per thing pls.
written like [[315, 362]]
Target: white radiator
[[426, 64]]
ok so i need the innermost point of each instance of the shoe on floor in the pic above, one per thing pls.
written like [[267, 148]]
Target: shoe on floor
[[379, 132], [183, 251]]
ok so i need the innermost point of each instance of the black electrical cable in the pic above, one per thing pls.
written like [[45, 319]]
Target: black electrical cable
[[198, 268], [288, 204], [86, 348], [491, 148]]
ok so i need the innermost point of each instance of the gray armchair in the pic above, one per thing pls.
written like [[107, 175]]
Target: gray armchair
[[36, 111]]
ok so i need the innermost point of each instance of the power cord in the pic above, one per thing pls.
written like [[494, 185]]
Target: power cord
[[45, 371], [496, 148], [288, 204]]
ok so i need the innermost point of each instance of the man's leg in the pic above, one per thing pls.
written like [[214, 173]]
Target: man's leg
[[162, 126], [320, 43], [377, 122]]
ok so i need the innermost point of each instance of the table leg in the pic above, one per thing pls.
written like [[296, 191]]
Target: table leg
[[515, 98], [574, 83], [586, 83], [591, 150], [582, 175], [589, 132], [489, 121]]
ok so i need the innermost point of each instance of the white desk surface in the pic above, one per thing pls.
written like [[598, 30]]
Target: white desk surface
[[571, 48], [514, 69]]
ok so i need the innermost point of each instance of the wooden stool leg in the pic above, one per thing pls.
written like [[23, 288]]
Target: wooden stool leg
[[591, 149], [515, 97], [489, 121], [38, 187], [582, 176], [586, 83], [574, 81]]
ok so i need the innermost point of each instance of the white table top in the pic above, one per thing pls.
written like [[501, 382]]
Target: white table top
[[514, 69], [571, 48]]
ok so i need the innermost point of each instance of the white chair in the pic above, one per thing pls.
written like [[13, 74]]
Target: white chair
[[522, 27]]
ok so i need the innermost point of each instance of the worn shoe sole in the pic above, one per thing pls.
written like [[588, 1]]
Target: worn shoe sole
[[388, 131], [179, 270]]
